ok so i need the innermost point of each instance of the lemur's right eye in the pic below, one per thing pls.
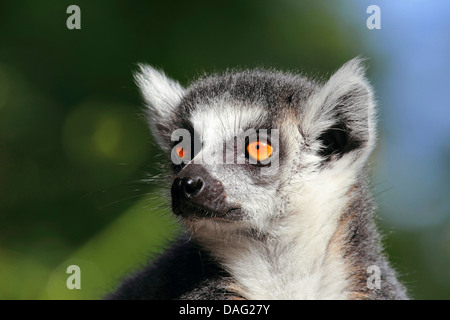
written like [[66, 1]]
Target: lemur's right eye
[[181, 155], [183, 152], [180, 152]]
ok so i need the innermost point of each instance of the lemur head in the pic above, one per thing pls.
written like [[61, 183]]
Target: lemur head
[[249, 148]]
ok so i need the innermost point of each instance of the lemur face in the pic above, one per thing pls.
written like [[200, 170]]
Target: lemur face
[[230, 169], [243, 144]]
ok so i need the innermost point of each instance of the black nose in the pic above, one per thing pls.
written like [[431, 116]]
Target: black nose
[[189, 187], [196, 193]]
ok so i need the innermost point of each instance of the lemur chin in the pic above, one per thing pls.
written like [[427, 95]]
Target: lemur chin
[[268, 179]]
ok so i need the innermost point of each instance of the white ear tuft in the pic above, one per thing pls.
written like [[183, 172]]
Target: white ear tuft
[[161, 95]]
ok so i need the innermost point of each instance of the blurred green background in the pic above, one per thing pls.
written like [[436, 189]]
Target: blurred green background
[[76, 157]]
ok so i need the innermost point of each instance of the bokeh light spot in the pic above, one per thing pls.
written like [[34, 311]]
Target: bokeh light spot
[[107, 136], [106, 139]]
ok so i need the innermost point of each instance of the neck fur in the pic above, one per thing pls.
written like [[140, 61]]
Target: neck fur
[[306, 254]]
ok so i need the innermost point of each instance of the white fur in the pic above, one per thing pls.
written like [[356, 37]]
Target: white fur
[[294, 262], [220, 120]]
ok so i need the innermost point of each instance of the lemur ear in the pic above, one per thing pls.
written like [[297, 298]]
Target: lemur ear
[[341, 114], [161, 95]]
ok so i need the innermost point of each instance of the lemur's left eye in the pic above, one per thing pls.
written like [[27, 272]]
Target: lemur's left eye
[[259, 150]]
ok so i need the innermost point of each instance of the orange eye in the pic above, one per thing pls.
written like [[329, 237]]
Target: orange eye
[[180, 152], [259, 150]]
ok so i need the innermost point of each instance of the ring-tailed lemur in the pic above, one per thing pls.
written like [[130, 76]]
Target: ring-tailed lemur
[[299, 226]]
